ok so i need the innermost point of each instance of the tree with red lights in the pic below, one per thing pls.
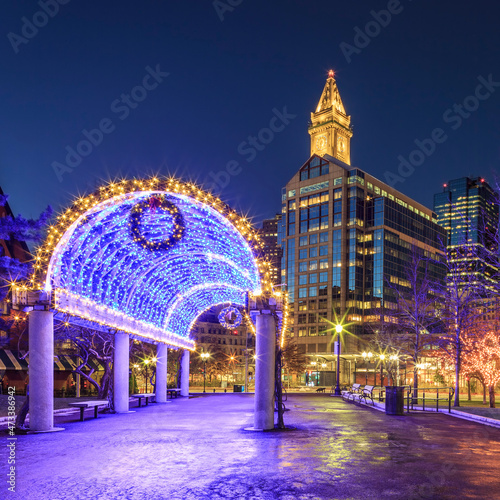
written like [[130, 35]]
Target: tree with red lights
[[462, 306], [481, 358]]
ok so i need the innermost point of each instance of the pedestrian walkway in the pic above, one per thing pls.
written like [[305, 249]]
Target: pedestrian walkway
[[198, 449]]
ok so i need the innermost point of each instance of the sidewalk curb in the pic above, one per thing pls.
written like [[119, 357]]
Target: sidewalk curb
[[474, 418], [454, 413]]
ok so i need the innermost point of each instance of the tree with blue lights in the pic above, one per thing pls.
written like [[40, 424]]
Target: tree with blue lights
[[20, 229]]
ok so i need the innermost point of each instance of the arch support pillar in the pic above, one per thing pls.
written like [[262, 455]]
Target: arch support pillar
[[41, 371], [121, 373], [161, 373], [264, 371], [185, 373]]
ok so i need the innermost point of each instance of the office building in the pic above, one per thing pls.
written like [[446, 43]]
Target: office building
[[272, 251], [468, 210], [346, 238]]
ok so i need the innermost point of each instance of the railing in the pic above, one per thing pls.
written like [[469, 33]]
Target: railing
[[429, 396]]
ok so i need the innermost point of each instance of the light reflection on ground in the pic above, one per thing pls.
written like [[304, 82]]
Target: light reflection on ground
[[198, 448]]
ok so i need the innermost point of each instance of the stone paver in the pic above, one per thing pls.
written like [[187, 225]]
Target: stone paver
[[198, 449]]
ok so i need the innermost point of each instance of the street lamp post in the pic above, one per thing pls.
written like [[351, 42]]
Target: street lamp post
[[338, 330], [382, 358], [146, 362], [204, 357]]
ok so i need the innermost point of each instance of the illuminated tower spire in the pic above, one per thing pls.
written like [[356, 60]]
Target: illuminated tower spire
[[330, 128]]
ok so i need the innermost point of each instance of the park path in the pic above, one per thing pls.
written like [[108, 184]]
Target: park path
[[198, 449]]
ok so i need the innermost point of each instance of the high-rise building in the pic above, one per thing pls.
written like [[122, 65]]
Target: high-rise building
[[468, 210], [272, 251], [347, 238]]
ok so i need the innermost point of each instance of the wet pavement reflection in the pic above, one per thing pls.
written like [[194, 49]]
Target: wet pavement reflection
[[198, 449]]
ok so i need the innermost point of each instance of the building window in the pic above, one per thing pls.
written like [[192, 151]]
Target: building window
[[323, 277], [323, 263], [323, 237], [313, 291], [302, 293], [313, 252], [302, 267], [303, 279], [303, 254], [313, 239], [302, 241], [323, 250], [313, 278], [302, 319], [313, 265]]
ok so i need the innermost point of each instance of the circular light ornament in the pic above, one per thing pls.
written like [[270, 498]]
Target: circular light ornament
[[147, 257], [230, 317], [154, 205]]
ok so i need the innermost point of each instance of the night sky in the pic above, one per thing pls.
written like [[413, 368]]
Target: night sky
[[227, 79]]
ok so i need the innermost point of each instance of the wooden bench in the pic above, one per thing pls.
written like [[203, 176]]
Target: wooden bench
[[89, 404], [351, 393], [320, 389], [147, 397], [172, 392]]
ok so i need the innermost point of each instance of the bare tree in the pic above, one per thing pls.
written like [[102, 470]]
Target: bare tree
[[91, 345], [293, 359], [415, 313], [462, 303]]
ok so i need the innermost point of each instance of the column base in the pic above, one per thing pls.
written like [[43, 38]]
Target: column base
[[54, 429]]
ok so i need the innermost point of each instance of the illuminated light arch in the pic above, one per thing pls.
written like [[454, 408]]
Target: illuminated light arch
[[147, 257]]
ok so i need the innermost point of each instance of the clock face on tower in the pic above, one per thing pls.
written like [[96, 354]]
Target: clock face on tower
[[341, 144], [321, 142]]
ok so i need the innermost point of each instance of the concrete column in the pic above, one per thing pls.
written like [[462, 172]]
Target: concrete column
[[264, 372], [161, 373], [185, 373], [121, 373], [41, 371]]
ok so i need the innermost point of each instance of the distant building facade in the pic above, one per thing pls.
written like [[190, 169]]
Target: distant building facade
[[467, 208], [344, 235], [272, 251]]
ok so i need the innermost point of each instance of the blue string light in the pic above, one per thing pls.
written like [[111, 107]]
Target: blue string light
[[150, 262]]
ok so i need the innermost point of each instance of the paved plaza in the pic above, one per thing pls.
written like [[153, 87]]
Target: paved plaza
[[198, 449]]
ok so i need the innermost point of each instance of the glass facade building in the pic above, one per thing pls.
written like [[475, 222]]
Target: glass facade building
[[347, 238], [467, 209]]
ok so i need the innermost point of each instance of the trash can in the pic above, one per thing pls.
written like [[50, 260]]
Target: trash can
[[238, 388], [394, 400]]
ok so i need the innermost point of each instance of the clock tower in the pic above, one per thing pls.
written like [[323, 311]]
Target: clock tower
[[330, 128]]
